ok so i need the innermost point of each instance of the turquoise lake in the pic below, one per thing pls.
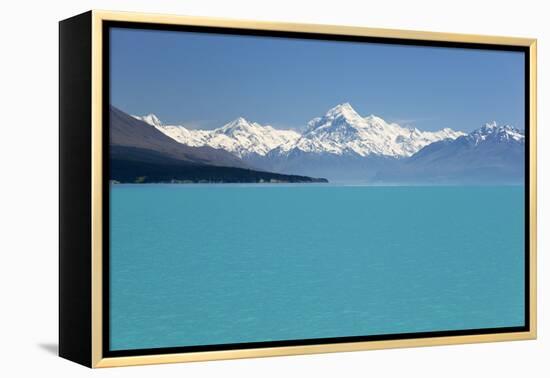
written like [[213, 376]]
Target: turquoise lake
[[216, 263]]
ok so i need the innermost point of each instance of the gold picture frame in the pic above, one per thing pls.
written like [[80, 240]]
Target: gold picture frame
[[92, 355]]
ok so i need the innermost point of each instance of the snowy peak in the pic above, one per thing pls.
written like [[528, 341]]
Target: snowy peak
[[342, 131], [238, 125], [492, 132], [338, 118], [244, 138], [344, 110], [150, 118]]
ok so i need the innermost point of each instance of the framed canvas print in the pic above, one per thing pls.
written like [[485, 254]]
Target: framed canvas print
[[236, 189]]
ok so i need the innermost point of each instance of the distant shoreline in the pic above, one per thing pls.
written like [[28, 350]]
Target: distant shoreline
[[191, 182]]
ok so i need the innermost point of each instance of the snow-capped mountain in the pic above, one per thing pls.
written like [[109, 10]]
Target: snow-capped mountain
[[492, 132], [492, 153], [150, 118], [140, 153], [342, 131], [240, 137], [343, 145]]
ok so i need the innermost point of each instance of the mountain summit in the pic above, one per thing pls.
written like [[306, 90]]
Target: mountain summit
[[343, 112], [343, 131], [495, 133], [150, 118]]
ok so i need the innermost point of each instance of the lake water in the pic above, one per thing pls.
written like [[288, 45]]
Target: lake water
[[215, 264]]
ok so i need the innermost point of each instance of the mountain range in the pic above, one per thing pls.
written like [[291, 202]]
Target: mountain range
[[141, 153], [340, 131], [344, 146], [489, 155]]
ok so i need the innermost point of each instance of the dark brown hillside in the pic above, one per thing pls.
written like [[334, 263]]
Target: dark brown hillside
[[126, 131]]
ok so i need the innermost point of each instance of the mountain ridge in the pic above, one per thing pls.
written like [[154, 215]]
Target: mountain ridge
[[140, 153], [489, 154], [342, 145], [239, 137], [340, 131]]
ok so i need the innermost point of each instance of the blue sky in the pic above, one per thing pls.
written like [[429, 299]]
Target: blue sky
[[206, 80]]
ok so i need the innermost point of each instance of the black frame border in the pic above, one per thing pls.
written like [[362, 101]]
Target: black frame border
[[107, 25]]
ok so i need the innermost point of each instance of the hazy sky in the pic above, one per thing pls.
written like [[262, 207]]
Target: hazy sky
[[206, 80]]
